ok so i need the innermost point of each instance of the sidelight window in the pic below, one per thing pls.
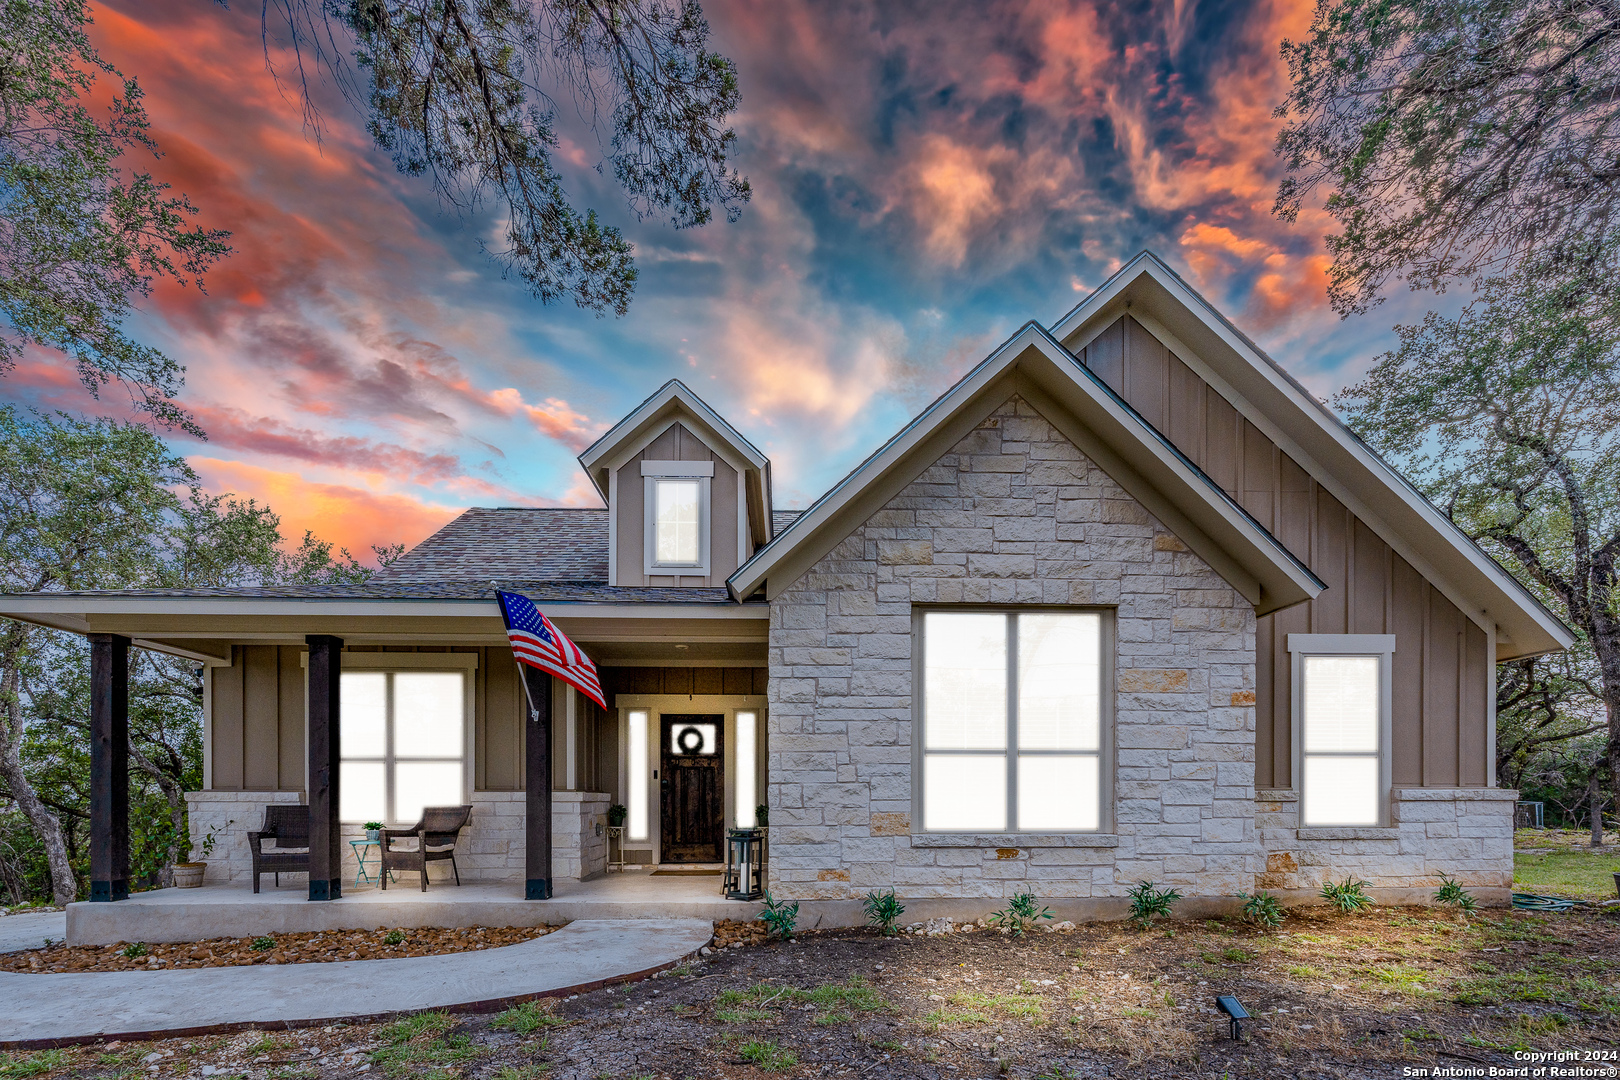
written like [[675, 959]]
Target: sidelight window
[[402, 742], [1011, 738]]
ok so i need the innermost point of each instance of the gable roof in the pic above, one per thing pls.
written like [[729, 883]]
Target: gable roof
[[1273, 401], [1079, 404], [675, 401]]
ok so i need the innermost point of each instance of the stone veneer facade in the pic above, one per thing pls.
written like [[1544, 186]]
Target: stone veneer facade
[[1013, 514], [1465, 833], [491, 848]]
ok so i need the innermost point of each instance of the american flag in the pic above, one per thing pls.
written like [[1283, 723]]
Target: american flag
[[536, 641]]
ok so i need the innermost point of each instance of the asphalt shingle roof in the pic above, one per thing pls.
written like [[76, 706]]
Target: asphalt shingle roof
[[516, 543], [375, 589]]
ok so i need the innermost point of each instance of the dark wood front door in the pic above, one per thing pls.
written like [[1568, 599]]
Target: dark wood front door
[[693, 782]]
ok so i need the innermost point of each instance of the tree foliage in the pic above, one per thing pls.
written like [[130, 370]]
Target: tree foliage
[[464, 92], [81, 235], [1515, 404], [1453, 138], [97, 504]]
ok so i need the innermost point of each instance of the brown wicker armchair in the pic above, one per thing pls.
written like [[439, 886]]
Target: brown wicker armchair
[[435, 838], [288, 826]]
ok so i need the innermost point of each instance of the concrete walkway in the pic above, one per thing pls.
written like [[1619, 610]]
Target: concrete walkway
[[19, 932], [44, 1010]]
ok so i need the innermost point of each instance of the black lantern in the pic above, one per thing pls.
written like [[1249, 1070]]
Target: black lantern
[[745, 871]]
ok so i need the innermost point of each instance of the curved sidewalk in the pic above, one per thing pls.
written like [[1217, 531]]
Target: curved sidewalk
[[44, 1010]]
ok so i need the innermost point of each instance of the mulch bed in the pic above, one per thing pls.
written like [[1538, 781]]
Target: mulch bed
[[302, 948], [1374, 995]]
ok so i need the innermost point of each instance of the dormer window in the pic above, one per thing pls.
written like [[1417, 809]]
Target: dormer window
[[675, 522], [677, 516]]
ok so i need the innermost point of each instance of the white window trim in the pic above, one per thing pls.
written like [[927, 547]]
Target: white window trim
[[1379, 645], [668, 469], [649, 524], [1105, 740]]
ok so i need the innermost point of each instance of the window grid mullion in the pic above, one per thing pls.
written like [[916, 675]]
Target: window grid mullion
[[1012, 722]]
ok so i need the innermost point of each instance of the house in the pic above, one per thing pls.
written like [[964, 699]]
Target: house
[[1123, 603]]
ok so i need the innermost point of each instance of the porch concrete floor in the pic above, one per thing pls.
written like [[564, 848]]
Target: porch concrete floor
[[30, 929], [236, 911], [45, 1009]]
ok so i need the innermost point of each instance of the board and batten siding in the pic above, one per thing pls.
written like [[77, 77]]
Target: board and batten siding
[[677, 443], [256, 709], [1442, 659]]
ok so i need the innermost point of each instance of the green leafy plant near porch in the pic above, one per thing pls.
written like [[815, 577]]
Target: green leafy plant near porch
[[1022, 912], [1149, 903], [1452, 893], [1349, 895], [618, 814], [781, 918], [883, 910]]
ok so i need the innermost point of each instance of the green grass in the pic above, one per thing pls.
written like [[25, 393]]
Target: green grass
[[1305, 971], [767, 1055], [419, 1045], [17, 1066], [523, 1072], [1229, 955], [834, 1002], [1583, 874], [985, 1006], [1587, 983], [527, 1017]]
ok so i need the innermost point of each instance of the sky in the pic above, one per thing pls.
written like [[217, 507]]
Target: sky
[[927, 177]]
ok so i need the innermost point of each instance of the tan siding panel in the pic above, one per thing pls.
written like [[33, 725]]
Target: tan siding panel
[[1410, 617], [227, 723], [292, 718], [261, 718], [1440, 710], [502, 723]]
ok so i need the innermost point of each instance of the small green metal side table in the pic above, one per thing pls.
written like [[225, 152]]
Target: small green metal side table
[[359, 847]]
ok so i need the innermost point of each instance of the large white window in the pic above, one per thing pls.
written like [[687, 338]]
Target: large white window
[[402, 742], [1342, 703], [1011, 738], [677, 494]]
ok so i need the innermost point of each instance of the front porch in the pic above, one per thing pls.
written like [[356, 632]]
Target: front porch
[[235, 911]]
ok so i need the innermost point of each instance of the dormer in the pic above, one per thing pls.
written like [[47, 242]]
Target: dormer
[[689, 498]]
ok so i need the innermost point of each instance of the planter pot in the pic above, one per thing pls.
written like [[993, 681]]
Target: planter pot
[[371, 834], [189, 875]]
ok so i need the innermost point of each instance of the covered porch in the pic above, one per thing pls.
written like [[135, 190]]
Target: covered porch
[[288, 683]]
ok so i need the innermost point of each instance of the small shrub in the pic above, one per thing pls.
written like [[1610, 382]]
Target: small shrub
[[1450, 892], [1263, 910], [1021, 912], [372, 826], [779, 917], [883, 910], [394, 937], [134, 949], [1149, 903], [263, 944], [1349, 895]]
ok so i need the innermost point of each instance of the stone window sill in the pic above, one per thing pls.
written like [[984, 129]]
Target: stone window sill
[[1349, 834], [1015, 840]]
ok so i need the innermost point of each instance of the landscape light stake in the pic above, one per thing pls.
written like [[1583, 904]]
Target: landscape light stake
[[1235, 1013]]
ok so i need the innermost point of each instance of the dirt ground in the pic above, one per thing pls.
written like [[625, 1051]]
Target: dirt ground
[[303, 948], [1366, 995]]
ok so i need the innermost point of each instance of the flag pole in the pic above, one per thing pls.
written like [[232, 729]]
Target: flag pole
[[537, 870]]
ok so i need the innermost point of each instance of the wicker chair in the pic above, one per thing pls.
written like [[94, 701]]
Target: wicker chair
[[288, 826], [435, 838]]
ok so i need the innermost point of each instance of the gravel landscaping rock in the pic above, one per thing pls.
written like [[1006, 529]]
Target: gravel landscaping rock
[[301, 948]]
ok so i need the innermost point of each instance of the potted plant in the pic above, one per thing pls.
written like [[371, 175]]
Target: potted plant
[[618, 814], [373, 830], [189, 875]]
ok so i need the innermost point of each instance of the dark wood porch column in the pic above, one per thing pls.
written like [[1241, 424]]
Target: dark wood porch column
[[537, 786], [109, 767], [322, 718]]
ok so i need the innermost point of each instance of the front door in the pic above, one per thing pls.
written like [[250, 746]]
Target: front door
[[694, 788]]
